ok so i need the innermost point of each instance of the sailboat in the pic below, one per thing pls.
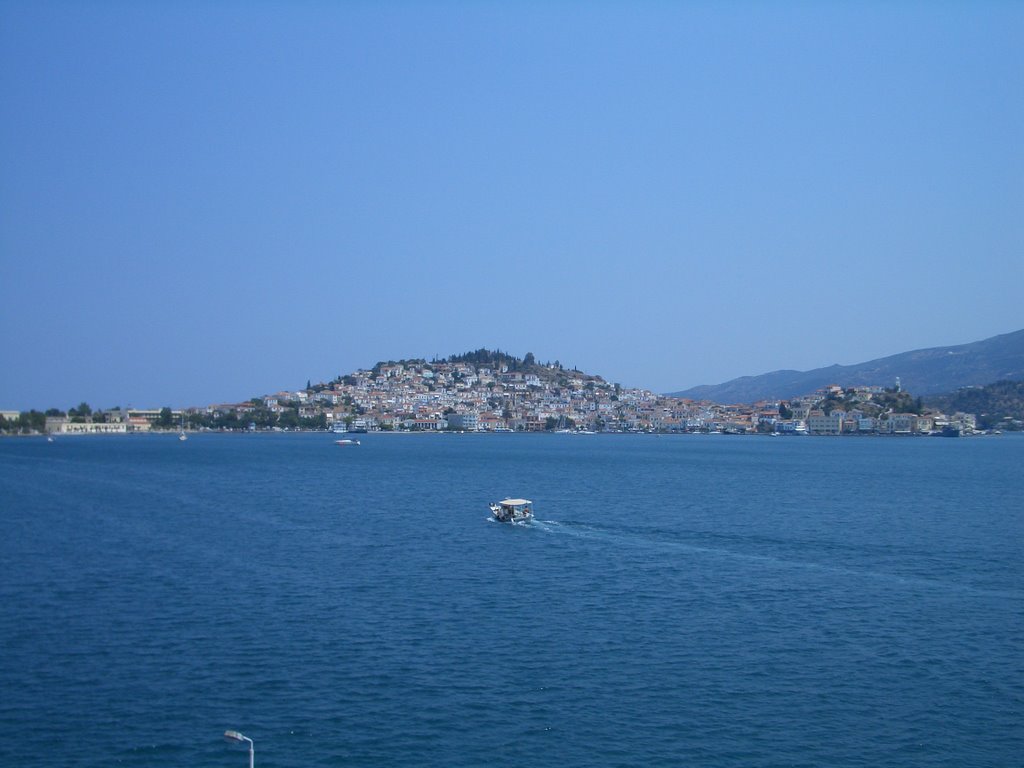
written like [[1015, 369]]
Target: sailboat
[[181, 434]]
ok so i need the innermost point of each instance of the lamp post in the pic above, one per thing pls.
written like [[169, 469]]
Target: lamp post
[[236, 736]]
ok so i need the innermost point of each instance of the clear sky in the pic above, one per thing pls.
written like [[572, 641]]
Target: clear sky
[[203, 202]]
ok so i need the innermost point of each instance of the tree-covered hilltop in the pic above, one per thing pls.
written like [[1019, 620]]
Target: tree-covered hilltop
[[485, 358], [495, 360], [498, 360], [874, 404], [998, 406]]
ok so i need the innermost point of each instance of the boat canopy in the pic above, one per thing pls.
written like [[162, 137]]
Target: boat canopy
[[514, 502]]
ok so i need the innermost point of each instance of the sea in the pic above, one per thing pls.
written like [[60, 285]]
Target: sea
[[690, 600]]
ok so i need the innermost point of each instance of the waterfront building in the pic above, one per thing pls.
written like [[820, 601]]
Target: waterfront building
[[902, 423], [818, 423], [93, 428], [466, 421]]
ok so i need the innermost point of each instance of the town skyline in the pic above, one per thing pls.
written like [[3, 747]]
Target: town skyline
[[493, 391], [490, 391], [832, 376]]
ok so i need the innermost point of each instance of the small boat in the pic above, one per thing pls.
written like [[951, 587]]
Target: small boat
[[346, 441], [512, 510], [181, 434]]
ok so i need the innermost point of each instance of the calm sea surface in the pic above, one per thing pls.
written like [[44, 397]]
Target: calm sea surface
[[690, 600]]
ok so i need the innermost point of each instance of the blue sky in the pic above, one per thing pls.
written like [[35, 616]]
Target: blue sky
[[202, 202]]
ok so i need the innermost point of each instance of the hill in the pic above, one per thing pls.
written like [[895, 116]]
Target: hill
[[495, 360], [998, 406], [924, 371]]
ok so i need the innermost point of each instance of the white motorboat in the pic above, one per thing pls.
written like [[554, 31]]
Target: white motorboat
[[512, 510]]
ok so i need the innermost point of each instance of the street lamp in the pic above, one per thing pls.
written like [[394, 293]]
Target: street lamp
[[236, 736]]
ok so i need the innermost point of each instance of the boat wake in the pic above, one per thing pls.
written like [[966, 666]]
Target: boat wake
[[669, 541], [516, 523]]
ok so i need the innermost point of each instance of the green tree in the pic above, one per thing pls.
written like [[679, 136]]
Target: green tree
[[31, 421], [264, 418], [314, 422], [166, 418], [80, 413], [228, 420]]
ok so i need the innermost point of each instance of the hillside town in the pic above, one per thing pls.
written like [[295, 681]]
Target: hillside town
[[487, 391]]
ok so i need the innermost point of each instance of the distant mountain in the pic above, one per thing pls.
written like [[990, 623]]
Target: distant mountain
[[923, 372]]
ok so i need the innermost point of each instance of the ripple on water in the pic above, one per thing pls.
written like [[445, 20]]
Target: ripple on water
[[734, 607]]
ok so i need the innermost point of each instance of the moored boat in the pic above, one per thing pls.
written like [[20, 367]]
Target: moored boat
[[512, 510], [347, 441]]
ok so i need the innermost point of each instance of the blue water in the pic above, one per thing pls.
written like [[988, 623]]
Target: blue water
[[691, 600]]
